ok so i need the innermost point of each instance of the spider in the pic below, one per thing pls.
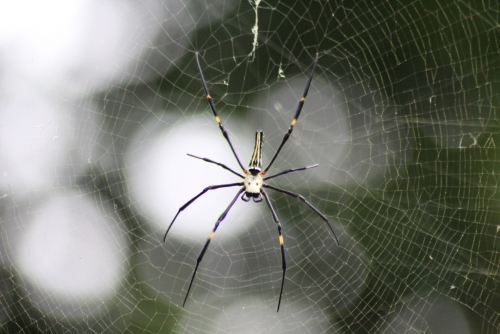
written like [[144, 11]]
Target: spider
[[254, 180]]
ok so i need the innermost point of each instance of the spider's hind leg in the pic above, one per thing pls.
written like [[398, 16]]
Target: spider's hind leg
[[303, 200], [188, 203], [202, 253], [282, 243]]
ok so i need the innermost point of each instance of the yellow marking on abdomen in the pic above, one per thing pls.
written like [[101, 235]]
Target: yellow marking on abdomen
[[217, 119], [211, 235], [281, 240], [294, 121]]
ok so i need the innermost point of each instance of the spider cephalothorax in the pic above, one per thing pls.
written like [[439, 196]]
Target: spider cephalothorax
[[253, 180], [253, 184]]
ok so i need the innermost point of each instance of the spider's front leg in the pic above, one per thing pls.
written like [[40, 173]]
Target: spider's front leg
[[295, 117], [216, 114]]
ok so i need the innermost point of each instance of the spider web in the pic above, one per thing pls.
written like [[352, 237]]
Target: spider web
[[101, 101]]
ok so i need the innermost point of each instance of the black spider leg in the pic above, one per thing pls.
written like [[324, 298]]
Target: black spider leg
[[290, 171], [282, 243], [202, 253], [257, 199], [296, 117], [217, 163], [301, 198], [216, 114], [188, 203]]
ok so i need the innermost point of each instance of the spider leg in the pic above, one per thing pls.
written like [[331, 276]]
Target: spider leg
[[202, 253], [218, 164], [188, 203], [257, 199], [244, 197], [216, 114], [296, 117], [290, 171], [301, 198], [282, 243]]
